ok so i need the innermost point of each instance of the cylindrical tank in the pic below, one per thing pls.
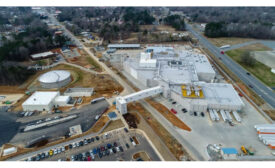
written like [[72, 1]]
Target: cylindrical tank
[[55, 79]]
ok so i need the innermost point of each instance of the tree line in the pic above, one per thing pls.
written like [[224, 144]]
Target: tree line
[[222, 29], [175, 21]]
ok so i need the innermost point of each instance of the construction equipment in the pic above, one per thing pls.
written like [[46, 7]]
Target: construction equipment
[[250, 150], [244, 150]]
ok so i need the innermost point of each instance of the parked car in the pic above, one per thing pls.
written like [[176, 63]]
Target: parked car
[[195, 113], [37, 158], [97, 138], [131, 139], [174, 111], [94, 151], [127, 145], [81, 143], [74, 145], [102, 148], [111, 151], [46, 154], [93, 156], [70, 146], [62, 149], [109, 146], [126, 130], [43, 155], [174, 102], [115, 144], [87, 154], [51, 152], [117, 148], [55, 151], [121, 149], [202, 114], [114, 150], [85, 142], [247, 73], [92, 139]]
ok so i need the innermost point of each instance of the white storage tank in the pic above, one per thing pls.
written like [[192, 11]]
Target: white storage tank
[[55, 79]]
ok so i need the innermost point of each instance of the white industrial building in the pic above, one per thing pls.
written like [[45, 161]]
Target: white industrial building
[[45, 101], [184, 76], [42, 55], [123, 46], [55, 79]]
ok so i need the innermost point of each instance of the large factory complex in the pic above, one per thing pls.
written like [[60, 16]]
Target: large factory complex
[[185, 76]]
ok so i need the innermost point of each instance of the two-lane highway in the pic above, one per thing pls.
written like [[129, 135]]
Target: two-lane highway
[[257, 86]]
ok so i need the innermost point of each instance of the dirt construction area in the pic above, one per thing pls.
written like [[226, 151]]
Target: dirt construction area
[[9, 99]]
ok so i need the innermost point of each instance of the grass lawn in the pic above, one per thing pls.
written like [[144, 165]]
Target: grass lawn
[[94, 63], [228, 40], [260, 70]]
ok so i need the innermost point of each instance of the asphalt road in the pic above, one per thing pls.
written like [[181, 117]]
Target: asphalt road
[[258, 87], [8, 127]]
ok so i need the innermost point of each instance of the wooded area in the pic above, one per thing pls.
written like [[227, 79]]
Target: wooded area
[[252, 22]]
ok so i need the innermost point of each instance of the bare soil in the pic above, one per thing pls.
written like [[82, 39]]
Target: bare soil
[[168, 115]]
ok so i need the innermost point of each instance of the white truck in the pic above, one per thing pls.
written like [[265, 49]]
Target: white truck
[[225, 46]]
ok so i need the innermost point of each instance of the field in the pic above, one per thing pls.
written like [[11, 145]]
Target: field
[[265, 57], [99, 124], [260, 70], [85, 61], [228, 40], [114, 125]]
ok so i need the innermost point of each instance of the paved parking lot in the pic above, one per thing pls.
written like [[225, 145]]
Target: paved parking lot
[[121, 138], [221, 132], [86, 118]]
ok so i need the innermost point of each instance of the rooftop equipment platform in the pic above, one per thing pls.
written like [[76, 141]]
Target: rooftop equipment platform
[[192, 91]]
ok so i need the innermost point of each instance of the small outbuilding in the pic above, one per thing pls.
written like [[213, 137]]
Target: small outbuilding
[[229, 153]]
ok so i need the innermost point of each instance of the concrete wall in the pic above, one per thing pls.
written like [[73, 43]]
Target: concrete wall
[[79, 94], [57, 84], [47, 107], [207, 77]]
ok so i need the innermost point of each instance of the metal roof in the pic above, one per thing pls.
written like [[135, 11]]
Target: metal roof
[[44, 54], [229, 151], [54, 76], [62, 98], [41, 98], [124, 46], [221, 93]]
